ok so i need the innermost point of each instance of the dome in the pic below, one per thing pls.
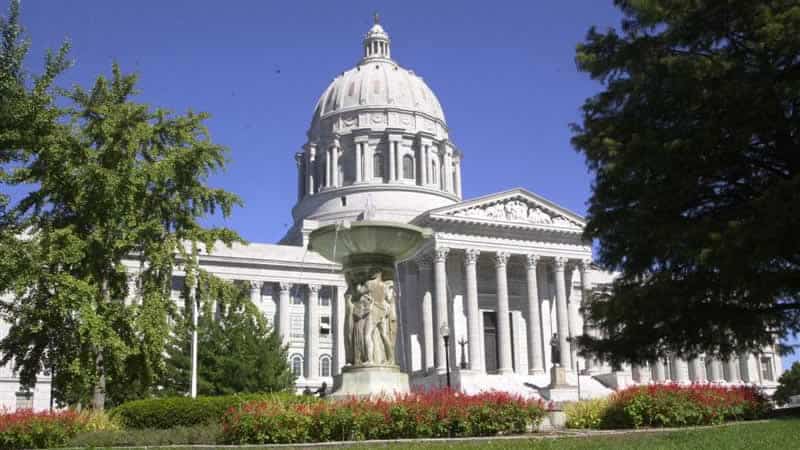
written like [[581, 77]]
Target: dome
[[378, 146], [380, 84]]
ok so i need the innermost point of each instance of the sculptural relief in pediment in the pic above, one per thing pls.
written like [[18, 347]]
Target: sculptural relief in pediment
[[518, 211]]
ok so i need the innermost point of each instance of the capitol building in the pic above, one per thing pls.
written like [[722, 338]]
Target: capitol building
[[503, 274]]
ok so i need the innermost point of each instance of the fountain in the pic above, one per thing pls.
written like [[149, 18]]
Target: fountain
[[368, 252]]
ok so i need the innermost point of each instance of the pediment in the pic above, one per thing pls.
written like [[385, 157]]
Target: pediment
[[515, 207]]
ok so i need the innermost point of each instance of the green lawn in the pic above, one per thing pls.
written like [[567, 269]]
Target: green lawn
[[774, 434]]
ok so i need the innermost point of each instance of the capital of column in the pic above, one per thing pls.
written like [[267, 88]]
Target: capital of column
[[440, 255], [313, 289], [583, 265], [255, 284], [501, 259], [471, 256], [284, 286], [531, 260], [560, 263]]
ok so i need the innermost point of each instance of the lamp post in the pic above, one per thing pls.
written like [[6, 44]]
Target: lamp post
[[462, 343], [444, 330]]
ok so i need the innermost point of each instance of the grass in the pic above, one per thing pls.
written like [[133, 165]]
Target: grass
[[773, 434]]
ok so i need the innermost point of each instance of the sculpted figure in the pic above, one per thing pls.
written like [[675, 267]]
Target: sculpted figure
[[349, 355], [536, 215]]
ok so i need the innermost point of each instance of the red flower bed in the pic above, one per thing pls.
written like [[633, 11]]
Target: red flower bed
[[29, 429], [673, 405], [440, 413]]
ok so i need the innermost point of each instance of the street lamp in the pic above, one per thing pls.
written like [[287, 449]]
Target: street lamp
[[444, 330]]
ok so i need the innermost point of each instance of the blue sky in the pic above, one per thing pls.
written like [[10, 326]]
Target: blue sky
[[504, 72]]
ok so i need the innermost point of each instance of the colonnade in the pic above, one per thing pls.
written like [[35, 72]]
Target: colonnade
[[434, 310]]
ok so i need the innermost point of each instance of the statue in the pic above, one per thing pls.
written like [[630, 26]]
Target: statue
[[536, 215], [370, 319], [555, 350]]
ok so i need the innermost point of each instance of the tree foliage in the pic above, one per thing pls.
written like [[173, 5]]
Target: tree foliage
[[237, 350], [789, 385], [694, 144], [104, 178]]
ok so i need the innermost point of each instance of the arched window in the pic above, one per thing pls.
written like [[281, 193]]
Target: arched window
[[377, 165], [408, 167], [325, 366], [434, 174], [297, 365]]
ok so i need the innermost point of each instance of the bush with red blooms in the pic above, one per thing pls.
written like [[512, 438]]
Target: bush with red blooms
[[440, 413], [28, 429], [673, 405]]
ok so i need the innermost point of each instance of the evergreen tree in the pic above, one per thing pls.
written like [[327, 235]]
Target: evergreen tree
[[789, 385], [105, 179], [694, 145], [237, 350]]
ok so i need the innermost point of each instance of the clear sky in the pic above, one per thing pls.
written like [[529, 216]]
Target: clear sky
[[504, 73]]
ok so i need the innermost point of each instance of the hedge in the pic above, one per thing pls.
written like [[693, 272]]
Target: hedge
[[417, 415], [169, 412], [669, 405]]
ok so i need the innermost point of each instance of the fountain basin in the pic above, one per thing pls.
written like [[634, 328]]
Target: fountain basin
[[350, 243]]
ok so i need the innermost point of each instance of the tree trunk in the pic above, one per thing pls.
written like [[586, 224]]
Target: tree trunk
[[99, 395]]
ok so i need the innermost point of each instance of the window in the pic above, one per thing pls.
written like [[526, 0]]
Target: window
[[325, 327], [325, 366], [24, 400], [296, 327], [377, 165], [408, 167], [434, 173], [297, 365], [766, 368]]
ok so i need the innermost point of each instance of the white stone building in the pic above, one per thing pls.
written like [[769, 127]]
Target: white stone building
[[506, 272]]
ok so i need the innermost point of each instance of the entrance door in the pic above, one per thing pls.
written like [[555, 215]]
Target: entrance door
[[490, 341]]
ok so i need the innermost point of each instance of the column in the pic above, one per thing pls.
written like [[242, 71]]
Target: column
[[392, 160], [398, 161], [659, 371], [339, 358], [535, 360], [360, 142], [312, 332], [748, 368], [310, 158], [424, 285], [283, 311], [547, 326], [255, 292], [561, 313], [681, 370], [473, 312], [440, 308], [328, 171], [733, 369], [715, 370], [335, 163], [586, 292], [298, 159], [457, 175], [699, 369], [503, 322], [642, 373]]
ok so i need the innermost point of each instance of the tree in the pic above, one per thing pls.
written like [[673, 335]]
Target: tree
[[108, 179], [237, 350], [694, 144], [789, 385]]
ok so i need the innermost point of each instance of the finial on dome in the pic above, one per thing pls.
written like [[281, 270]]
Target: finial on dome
[[376, 42]]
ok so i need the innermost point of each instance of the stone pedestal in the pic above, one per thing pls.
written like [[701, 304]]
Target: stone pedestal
[[559, 389], [368, 381]]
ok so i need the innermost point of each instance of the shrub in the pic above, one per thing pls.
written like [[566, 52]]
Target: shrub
[[170, 412], [206, 434], [587, 413], [99, 421], [28, 429], [416, 415], [789, 385], [669, 405]]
